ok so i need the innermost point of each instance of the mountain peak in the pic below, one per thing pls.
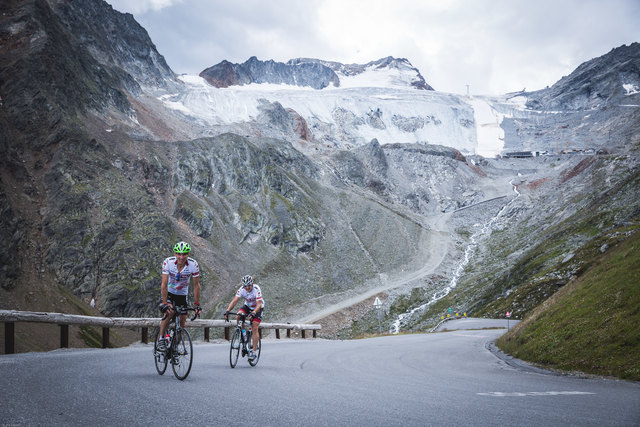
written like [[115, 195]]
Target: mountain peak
[[385, 72], [601, 81], [317, 73]]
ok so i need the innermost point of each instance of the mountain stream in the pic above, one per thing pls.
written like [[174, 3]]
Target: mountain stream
[[468, 252]]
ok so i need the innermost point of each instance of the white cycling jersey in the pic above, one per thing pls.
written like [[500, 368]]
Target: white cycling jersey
[[179, 280], [251, 298]]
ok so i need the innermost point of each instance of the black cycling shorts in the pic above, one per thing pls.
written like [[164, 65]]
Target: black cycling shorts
[[177, 300], [245, 309]]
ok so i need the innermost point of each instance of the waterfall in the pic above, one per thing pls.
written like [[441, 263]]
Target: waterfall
[[486, 229]]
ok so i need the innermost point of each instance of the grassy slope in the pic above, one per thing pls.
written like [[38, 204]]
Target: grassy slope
[[591, 324]]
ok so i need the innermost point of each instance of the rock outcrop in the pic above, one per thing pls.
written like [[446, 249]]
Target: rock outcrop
[[104, 164]]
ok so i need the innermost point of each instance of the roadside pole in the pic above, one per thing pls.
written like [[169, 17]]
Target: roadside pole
[[378, 305]]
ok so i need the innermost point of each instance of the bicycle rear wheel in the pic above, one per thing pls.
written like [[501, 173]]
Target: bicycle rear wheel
[[159, 356], [254, 362], [234, 350], [182, 354]]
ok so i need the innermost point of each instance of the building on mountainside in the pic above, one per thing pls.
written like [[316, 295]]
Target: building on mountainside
[[520, 154]]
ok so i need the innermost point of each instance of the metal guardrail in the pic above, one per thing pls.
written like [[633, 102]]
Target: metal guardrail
[[10, 317], [446, 319], [435, 328]]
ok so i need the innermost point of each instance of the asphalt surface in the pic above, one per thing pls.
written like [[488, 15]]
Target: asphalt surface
[[423, 379], [457, 323]]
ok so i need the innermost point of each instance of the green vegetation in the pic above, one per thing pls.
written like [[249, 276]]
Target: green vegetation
[[542, 271], [590, 325]]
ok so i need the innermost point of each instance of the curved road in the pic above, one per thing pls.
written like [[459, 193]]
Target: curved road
[[435, 252], [448, 378]]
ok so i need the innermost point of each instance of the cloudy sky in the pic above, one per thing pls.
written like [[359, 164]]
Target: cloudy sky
[[494, 46]]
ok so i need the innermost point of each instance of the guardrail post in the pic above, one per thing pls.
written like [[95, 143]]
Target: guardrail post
[[145, 335], [277, 334], [288, 333], [206, 334], [314, 333], [64, 336], [105, 337], [226, 333], [303, 333], [9, 338]]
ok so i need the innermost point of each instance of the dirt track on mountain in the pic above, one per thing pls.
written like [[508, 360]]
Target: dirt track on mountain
[[436, 249], [439, 247]]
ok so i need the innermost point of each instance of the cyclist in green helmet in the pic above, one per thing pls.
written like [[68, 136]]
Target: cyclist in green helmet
[[177, 272]]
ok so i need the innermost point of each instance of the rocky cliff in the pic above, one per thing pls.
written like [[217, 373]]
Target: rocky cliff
[[310, 74], [304, 72], [606, 80], [108, 158]]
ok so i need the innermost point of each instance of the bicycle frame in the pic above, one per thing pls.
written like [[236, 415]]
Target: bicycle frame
[[180, 349], [241, 339]]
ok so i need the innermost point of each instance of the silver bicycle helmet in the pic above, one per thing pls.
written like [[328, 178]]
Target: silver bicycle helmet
[[247, 281]]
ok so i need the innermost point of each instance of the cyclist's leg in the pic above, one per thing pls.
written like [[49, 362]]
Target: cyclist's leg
[[254, 335], [180, 302], [164, 324], [256, 342], [255, 324], [245, 310], [158, 355]]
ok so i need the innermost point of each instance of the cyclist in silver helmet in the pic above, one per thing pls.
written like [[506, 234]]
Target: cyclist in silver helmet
[[253, 305]]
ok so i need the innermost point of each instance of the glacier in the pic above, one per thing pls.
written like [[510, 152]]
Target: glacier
[[376, 104]]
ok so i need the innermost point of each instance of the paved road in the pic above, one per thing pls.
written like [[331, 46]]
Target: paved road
[[475, 323], [447, 378]]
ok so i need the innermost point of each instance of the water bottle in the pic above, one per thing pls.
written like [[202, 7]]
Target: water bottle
[[169, 338], [244, 335]]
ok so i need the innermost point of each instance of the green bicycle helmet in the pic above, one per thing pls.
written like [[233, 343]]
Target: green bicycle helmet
[[182, 248]]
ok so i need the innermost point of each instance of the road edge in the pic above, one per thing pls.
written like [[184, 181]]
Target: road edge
[[517, 363]]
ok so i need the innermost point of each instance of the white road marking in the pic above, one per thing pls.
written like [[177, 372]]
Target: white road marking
[[469, 335], [533, 393]]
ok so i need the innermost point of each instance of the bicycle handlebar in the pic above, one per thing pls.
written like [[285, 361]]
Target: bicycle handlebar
[[182, 310], [242, 315]]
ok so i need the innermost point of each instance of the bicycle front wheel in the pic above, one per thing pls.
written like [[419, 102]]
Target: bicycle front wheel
[[234, 350], [182, 354], [158, 355], [254, 362]]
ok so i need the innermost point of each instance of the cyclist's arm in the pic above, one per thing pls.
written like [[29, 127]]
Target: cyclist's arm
[[164, 289], [196, 290]]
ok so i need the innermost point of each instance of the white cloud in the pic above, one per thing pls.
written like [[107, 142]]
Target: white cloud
[[142, 6], [495, 46]]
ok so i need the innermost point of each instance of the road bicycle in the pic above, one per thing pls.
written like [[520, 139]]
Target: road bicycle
[[241, 340], [179, 350]]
